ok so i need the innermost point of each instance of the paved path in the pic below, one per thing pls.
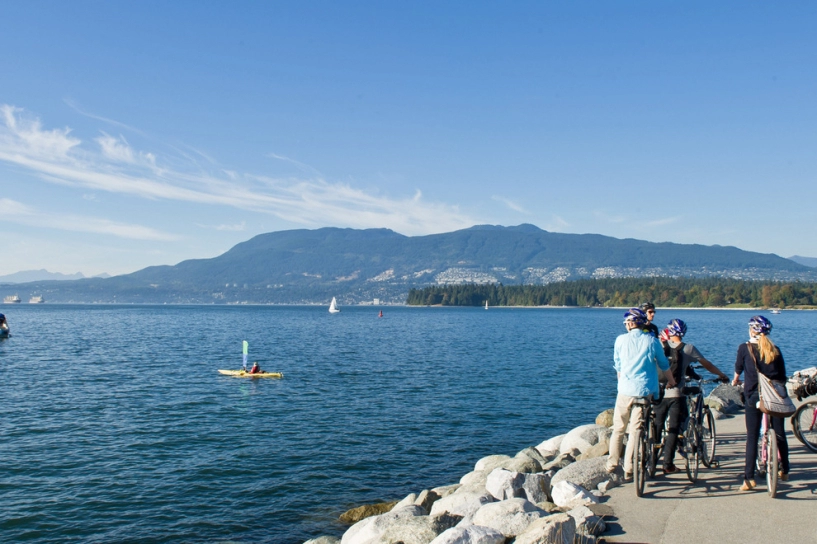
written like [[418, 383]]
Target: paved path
[[714, 509]]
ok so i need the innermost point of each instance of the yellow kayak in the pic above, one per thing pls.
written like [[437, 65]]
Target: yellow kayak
[[244, 374]]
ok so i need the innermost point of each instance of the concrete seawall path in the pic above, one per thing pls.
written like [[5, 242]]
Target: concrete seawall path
[[675, 511]]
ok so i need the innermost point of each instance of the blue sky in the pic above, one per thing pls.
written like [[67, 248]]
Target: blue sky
[[143, 133]]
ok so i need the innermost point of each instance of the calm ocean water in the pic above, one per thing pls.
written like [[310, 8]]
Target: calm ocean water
[[115, 425]]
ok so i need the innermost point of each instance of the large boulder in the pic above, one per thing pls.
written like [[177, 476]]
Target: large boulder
[[369, 530], [504, 484], [550, 445], [522, 464], [426, 498], [553, 529], [472, 534], [490, 462], [533, 453], [725, 398], [583, 437], [588, 473], [605, 418], [587, 522], [446, 490], [463, 502], [559, 462], [417, 530], [475, 477], [367, 510], [536, 487], [410, 499], [509, 517], [602, 448], [565, 493]]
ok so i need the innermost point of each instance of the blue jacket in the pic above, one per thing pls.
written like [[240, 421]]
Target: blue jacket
[[635, 357]]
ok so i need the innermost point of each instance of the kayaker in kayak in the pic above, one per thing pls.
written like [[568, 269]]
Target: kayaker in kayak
[[255, 368], [4, 326]]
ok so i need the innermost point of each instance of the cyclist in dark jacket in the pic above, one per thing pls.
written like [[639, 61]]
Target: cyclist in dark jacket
[[760, 354], [649, 309], [674, 404]]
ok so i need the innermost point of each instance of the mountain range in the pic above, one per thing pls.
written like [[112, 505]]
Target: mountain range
[[26, 276], [358, 266]]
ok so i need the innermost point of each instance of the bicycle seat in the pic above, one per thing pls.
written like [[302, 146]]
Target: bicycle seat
[[643, 401], [692, 390]]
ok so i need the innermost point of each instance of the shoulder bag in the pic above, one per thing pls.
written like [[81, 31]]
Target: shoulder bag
[[774, 399]]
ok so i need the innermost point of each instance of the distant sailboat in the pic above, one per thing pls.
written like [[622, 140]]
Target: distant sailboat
[[381, 313], [486, 304], [333, 307]]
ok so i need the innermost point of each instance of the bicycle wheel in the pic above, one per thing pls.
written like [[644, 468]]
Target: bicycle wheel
[[693, 456], [760, 460], [771, 462], [652, 450], [639, 462], [804, 425], [708, 437]]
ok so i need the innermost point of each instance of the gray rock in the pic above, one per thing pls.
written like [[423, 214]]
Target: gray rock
[[323, 540], [491, 462], [717, 414], [463, 502], [417, 530], [509, 517], [565, 493], [587, 522], [533, 453], [475, 477], [472, 534], [536, 487], [581, 438], [588, 473], [446, 490], [559, 462], [602, 448], [426, 499], [369, 530], [553, 529], [522, 464], [367, 510], [410, 499], [551, 444], [504, 484], [725, 398], [605, 418], [548, 507]]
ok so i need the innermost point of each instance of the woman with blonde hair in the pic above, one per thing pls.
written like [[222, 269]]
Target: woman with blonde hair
[[760, 354]]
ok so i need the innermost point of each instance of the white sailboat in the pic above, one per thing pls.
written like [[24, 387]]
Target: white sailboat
[[486, 304], [333, 307]]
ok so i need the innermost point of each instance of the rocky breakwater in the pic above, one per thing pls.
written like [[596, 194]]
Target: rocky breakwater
[[550, 493]]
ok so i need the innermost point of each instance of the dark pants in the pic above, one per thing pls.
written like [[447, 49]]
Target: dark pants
[[754, 418], [677, 410]]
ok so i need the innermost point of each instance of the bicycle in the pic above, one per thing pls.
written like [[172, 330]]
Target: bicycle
[[804, 425], [804, 420], [696, 441], [644, 438], [768, 458]]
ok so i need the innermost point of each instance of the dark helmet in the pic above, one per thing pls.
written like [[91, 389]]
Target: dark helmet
[[636, 316], [760, 325], [646, 306], [2, 317], [677, 327]]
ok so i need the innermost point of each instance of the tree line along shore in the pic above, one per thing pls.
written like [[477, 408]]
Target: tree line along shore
[[626, 292]]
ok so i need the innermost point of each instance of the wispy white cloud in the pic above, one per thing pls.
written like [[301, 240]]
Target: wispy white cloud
[[17, 212], [661, 222], [239, 227], [557, 224], [511, 204], [114, 166]]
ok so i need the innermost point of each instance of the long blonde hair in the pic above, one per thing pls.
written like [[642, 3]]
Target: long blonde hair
[[768, 351]]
